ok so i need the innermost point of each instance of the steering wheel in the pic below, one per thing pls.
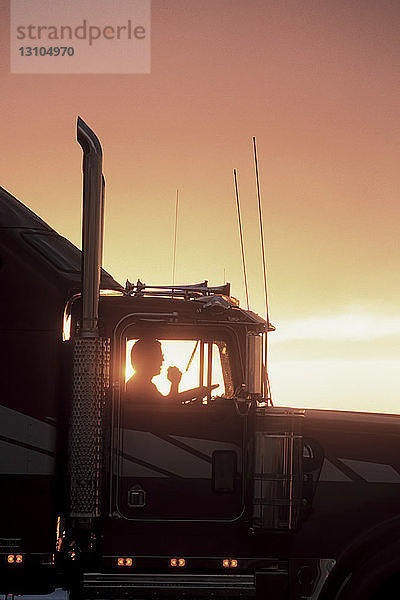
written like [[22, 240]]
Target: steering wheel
[[194, 394]]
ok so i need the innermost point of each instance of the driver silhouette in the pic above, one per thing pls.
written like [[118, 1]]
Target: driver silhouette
[[147, 359]]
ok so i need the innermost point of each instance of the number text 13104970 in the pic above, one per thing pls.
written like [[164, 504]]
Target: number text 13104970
[[43, 51]]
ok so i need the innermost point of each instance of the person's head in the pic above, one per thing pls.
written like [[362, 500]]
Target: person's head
[[147, 357]]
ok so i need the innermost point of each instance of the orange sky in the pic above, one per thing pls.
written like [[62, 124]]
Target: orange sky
[[318, 84]]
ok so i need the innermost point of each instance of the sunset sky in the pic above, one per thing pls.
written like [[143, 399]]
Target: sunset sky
[[318, 84]]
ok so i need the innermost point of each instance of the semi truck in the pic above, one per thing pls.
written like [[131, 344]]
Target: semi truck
[[211, 493]]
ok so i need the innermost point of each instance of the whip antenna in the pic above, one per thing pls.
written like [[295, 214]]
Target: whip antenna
[[261, 227], [266, 380], [175, 236], [241, 236]]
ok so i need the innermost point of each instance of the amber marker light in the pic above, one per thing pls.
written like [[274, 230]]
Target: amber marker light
[[125, 561], [177, 562], [15, 559], [229, 563]]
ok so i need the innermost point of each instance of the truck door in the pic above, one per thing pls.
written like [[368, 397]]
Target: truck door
[[180, 459]]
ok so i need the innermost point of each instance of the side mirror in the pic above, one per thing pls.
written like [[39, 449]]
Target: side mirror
[[254, 363]]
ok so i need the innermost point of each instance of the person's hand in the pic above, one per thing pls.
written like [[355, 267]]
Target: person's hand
[[174, 375]]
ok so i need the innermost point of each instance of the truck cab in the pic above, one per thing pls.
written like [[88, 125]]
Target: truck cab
[[190, 480]]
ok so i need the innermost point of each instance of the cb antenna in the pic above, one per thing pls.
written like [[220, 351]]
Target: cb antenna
[[241, 236], [261, 227], [175, 236], [266, 381]]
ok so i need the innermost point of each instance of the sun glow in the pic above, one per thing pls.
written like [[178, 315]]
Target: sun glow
[[348, 361], [369, 385], [350, 325]]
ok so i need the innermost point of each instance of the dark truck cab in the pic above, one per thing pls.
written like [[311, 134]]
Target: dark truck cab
[[191, 487], [218, 494]]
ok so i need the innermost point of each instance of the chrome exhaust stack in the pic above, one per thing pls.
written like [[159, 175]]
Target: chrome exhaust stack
[[92, 227], [91, 353]]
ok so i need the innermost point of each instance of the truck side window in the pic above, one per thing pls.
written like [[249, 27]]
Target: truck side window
[[182, 365]]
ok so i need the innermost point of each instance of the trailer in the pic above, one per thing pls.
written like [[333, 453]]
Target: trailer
[[202, 489]]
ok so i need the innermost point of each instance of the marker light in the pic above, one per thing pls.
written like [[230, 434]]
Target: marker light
[[125, 562], [15, 559], [177, 562], [230, 563]]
